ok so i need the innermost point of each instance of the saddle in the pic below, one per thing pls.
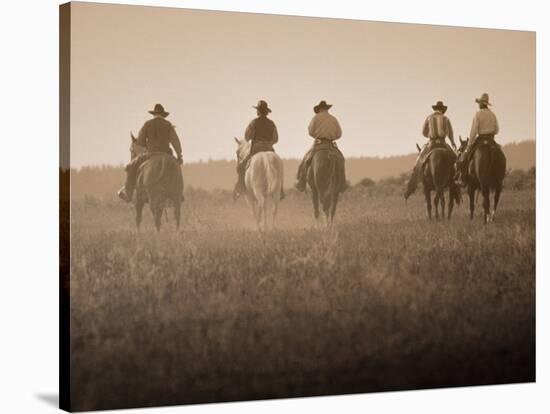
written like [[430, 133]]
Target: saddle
[[255, 148], [160, 168], [325, 145], [487, 141], [433, 145]]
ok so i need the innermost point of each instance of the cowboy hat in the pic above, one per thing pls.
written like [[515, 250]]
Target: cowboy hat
[[262, 107], [159, 110], [484, 99], [322, 105], [439, 106]]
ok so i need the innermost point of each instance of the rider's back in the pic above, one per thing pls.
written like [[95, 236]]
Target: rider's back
[[157, 133], [263, 129]]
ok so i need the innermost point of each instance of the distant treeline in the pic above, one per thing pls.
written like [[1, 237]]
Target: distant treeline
[[104, 181]]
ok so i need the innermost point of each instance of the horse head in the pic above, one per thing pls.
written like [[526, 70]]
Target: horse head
[[135, 148], [243, 149], [463, 145]]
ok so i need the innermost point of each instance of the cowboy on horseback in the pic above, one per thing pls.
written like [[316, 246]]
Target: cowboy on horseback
[[436, 128], [157, 135], [325, 129], [262, 133], [484, 127]]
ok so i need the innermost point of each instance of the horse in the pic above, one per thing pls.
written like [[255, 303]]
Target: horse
[[437, 175], [158, 182], [485, 173], [323, 178], [263, 182]]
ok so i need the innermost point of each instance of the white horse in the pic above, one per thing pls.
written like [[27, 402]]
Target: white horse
[[263, 181]]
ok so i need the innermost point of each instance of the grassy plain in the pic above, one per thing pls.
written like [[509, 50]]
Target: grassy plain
[[384, 301]]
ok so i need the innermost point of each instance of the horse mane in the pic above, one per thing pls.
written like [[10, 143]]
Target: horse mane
[[243, 149], [136, 148]]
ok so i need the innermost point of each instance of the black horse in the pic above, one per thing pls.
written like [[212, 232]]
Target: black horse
[[438, 175], [485, 173], [159, 183]]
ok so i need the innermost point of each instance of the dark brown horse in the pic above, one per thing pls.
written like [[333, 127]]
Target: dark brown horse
[[437, 175], [159, 183], [484, 173], [324, 180]]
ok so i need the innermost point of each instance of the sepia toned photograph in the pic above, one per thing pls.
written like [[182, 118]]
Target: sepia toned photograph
[[259, 206]]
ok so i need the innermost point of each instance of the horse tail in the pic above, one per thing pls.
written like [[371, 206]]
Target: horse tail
[[273, 174], [332, 184]]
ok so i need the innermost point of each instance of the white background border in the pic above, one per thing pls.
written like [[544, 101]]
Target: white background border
[[28, 204]]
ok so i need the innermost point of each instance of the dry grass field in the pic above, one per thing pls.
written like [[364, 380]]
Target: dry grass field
[[214, 312]]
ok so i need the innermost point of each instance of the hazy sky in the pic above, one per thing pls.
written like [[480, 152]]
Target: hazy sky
[[208, 68]]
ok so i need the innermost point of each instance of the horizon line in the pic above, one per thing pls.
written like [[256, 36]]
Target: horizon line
[[354, 157]]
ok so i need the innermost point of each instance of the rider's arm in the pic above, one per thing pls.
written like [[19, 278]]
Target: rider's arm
[[250, 131], [474, 129], [497, 128], [142, 136], [175, 141], [450, 132], [337, 130], [426, 128], [275, 134], [311, 128]]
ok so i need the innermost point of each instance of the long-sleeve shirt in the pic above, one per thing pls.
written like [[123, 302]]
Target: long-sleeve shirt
[[438, 126], [157, 134], [324, 125], [262, 129], [484, 123]]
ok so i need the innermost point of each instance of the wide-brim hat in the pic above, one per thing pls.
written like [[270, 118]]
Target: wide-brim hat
[[439, 106], [159, 110], [484, 99], [262, 107], [322, 106]]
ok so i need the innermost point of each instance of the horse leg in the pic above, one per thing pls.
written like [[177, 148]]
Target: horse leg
[[156, 210], [260, 213], [315, 201], [436, 203], [139, 211], [268, 206], [275, 208], [177, 212], [472, 196], [451, 204], [326, 211], [333, 207], [486, 203], [442, 202], [428, 196], [498, 190], [157, 214]]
